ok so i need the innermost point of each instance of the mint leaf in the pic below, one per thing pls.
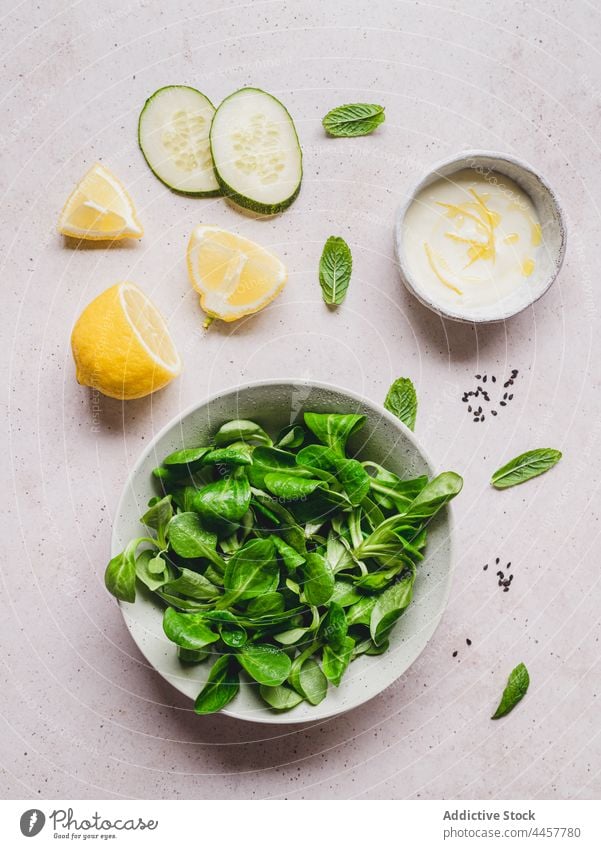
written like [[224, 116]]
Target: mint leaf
[[525, 466], [335, 268], [353, 119], [401, 401], [514, 692]]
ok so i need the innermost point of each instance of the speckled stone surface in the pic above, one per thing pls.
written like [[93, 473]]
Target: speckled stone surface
[[82, 715]]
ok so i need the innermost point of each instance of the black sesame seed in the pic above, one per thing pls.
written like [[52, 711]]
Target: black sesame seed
[[484, 379], [505, 396], [511, 397], [498, 560], [494, 379], [505, 589], [469, 409], [482, 418], [485, 567], [468, 641], [502, 403], [478, 376], [494, 412], [455, 654]]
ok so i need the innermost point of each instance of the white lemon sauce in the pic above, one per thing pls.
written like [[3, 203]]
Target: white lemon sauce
[[472, 240]]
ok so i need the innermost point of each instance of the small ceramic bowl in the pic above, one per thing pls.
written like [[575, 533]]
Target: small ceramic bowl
[[275, 404], [552, 223]]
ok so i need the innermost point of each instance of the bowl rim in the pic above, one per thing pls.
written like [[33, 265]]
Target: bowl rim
[[267, 717], [458, 159]]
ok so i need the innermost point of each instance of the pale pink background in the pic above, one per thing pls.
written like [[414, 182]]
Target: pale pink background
[[82, 715]]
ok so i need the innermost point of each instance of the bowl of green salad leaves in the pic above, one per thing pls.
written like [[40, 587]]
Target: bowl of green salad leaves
[[282, 551]]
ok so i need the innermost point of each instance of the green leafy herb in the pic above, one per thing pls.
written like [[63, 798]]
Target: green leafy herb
[[189, 538], [189, 656], [120, 575], [188, 630], [280, 698], [334, 429], [221, 505], [266, 664], [152, 577], [514, 692], [191, 458], [318, 579], [353, 119], [237, 454], [290, 487], [192, 585], [334, 626], [241, 430], [311, 682], [335, 267], [286, 562], [389, 607], [336, 660], [401, 401], [435, 495], [290, 437], [252, 571], [270, 461], [266, 604], [221, 687], [526, 466]]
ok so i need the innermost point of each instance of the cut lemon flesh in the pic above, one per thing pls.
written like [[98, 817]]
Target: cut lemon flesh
[[99, 207], [121, 345], [234, 276]]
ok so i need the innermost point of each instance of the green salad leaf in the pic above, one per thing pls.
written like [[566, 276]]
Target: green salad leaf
[[188, 630], [334, 429], [222, 686], [120, 575], [265, 664], [252, 571], [336, 660], [279, 559]]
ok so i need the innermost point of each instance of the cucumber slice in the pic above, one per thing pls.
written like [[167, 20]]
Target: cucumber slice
[[256, 152], [173, 134]]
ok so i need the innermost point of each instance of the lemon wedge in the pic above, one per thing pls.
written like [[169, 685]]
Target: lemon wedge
[[121, 345], [234, 276], [99, 208]]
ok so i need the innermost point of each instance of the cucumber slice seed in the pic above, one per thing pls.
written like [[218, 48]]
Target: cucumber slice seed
[[173, 134], [256, 152]]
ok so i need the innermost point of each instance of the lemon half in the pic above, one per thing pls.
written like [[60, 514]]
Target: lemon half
[[234, 276], [121, 345], [98, 208]]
